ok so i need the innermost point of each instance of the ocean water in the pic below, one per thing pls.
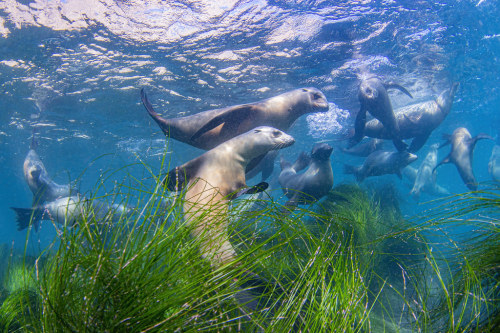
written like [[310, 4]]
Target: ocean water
[[74, 69]]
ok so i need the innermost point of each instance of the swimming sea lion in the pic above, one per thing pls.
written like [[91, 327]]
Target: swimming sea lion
[[410, 173], [208, 129], [381, 162], [462, 148], [425, 179], [494, 163], [68, 211], [416, 121], [373, 97], [312, 184], [364, 149], [41, 185], [216, 177]]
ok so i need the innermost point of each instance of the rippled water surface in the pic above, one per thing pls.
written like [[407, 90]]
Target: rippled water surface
[[73, 69]]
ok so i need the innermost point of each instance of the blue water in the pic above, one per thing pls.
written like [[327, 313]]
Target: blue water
[[74, 69]]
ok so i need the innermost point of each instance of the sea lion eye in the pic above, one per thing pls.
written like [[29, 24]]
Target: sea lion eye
[[316, 96], [304, 89], [276, 134], [256, 131]]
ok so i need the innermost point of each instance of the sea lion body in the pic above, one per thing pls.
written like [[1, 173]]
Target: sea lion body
[[214, 178], [410, 173], [416, 121], [312, 184], [44, 189], [373, 98], [462, 148], [381, 162], [425, 179], [206, 130], [494, 163]]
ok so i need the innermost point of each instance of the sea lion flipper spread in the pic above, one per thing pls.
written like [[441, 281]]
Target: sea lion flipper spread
[[25, 216], [389, 85], [231, 119], [260, 187], [156, 117]]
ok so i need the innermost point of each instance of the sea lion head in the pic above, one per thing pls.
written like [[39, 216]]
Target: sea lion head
[[304, 100], [406, 157], [321, 151], [266, 138], [370, 89]]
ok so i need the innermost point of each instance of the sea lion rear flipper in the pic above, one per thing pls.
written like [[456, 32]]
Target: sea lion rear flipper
[[26, 215], [162, 122], [392, 85], [232, 119], [359, 127], [262, 186], [418, 142]]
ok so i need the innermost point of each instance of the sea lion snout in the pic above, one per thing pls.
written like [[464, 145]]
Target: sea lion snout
[[318, 99]]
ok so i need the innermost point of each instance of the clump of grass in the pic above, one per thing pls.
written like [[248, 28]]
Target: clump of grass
[[351, 264]]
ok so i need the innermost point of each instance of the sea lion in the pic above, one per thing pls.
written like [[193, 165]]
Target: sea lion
[[373, 97], [210, 128], [410, 173], [425, 179], [416, 121], [462, 148], [364, 149], [494, 163], [312, 184], [68, 211], [216, 177], [381, 162], [44, 189]]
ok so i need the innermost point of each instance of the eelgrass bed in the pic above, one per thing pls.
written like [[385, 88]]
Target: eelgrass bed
[[351, 263]]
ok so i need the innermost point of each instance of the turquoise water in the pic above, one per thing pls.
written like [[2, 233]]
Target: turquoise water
[[74, 72]]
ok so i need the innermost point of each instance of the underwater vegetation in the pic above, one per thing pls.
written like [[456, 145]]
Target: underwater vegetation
[[349, 263]]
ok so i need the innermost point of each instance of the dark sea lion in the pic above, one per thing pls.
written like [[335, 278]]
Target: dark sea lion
[[216, 177], [381, 162], [462, 148], [208, 129], [494, 163], [425, 179], [312, 184], [416, 121], [373, 97], [364, 149], [41, 185]]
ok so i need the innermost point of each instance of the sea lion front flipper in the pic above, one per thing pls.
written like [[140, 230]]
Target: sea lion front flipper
[[232, 118], [392, 85], [418, 142], [302, 161], [178, 177], [481, 136], [400, 144], [260, 187], [445, 160], [359, 127], [162, 122], [447, 138]]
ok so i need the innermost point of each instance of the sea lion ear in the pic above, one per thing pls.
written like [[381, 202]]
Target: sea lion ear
[[232, 118]]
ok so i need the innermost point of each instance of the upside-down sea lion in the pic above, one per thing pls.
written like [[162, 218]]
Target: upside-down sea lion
[[210, 128], [41, 185], [381, 162], [416, 121], [312, 184], [462, 148], [436, 190], [373, 97], [425, 179], [214, 178], [494, 163]]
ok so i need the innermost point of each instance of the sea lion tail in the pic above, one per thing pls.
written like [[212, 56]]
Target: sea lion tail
[[25, 216], [162, 122]]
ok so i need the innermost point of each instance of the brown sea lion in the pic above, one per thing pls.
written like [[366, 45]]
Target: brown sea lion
[[416, 121], [462, 148], [373, 97], [216, 177]]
